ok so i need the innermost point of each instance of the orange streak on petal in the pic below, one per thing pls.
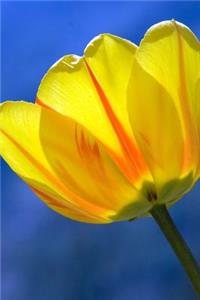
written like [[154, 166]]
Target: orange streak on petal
[[187, 155], [50, 200], [77, 140], [132, 154], [78, 203], [184, 102], [39, 102], [89, 153], [63, 208]]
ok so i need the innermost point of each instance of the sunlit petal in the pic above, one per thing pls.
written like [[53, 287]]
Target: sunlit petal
[[94, 88], [84, 180], [170, 53], [156, 126]]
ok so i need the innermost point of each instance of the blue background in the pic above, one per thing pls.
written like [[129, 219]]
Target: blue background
[[46, 256]]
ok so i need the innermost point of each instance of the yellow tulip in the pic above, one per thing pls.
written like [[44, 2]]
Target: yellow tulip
[[114, 132]]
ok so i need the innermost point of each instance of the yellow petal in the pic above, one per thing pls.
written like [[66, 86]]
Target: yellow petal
[[20, 146], [57, 203], [170, 53], [94, 88], [110, 58], [65, 165], [197, 114], [156, 126]]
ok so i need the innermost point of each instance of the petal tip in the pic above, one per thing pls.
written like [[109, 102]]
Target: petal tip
[[165, 28], [93, 45], [109, 38], [69, 62]]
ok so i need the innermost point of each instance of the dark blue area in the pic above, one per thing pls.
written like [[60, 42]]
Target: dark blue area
[[46, 256]]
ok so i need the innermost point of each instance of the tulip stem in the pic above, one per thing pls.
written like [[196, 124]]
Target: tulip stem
[[182, 251]]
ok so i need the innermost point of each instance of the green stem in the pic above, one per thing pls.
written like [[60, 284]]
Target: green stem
[[184, 254]]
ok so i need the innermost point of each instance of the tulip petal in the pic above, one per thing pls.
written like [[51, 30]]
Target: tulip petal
[[110, 58], [65, 165], [197, 113], [20, 146], [170, 53], [57, 203], [156, 126], [94, 88]]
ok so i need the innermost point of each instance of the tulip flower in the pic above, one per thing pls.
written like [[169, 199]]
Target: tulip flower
[[115, 134]]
